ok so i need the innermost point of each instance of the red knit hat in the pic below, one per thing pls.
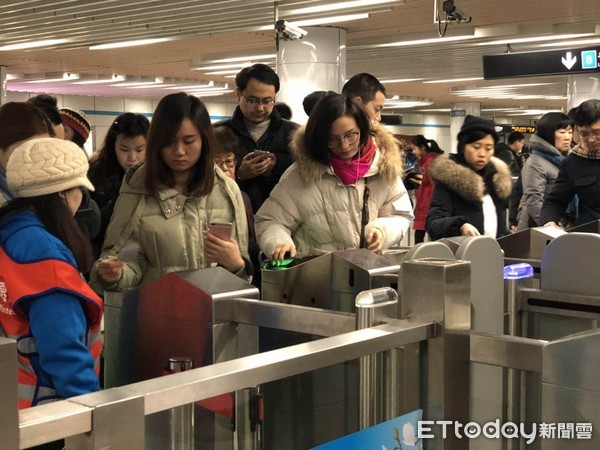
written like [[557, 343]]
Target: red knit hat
[[77, 120]]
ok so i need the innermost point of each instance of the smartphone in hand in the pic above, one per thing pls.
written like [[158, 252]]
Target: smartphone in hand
[[221, 229]]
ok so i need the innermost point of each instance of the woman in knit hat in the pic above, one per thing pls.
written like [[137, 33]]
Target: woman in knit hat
[[45, 305], [77, 125], [472, 187]]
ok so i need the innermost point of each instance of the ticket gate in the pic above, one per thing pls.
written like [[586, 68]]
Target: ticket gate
[[174, 316], [528, 245]]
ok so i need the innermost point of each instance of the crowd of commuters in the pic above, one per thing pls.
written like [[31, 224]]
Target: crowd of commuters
[[158, 195]]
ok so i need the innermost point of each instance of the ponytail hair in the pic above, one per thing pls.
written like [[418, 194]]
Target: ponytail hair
[[428, 144]]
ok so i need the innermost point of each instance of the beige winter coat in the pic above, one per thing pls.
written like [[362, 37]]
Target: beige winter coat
[[168, 229], [313, 209]]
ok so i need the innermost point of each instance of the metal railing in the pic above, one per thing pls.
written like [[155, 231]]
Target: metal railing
[[112, 417]]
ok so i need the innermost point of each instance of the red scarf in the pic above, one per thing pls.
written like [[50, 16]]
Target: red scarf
[[349, 172]]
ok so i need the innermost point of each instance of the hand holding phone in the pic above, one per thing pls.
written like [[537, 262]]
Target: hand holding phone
[[221, 229]]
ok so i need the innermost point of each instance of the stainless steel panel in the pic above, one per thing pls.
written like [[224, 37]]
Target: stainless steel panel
[[530, 243], [9, 425], [507, 351], [53, 421], [570, 264], [570, 406], [439, 290], [117, 421], [574, 361]]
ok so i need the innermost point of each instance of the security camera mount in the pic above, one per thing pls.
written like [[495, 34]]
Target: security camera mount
[[288, 31], [448, 13]]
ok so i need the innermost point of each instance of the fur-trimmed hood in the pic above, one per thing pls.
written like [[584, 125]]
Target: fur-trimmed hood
[[389, 159], [468, 183]]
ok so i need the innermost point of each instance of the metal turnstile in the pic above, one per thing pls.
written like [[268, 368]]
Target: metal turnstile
[[528, 245], [303, 410], [174, 316]]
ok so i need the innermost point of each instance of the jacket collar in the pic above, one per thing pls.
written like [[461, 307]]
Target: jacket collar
[[387, 161], [466, 182], [237, 121], [541, 145]]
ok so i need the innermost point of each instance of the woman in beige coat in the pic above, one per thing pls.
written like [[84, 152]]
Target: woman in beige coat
[[343, 192], [166, 204]]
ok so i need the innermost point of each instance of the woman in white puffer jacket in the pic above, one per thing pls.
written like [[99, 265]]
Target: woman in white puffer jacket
[[342, 162]]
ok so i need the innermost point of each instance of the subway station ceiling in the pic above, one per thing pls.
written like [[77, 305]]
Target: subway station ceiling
[[59, 37]]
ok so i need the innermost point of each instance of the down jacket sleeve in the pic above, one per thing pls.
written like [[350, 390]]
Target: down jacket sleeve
[[442, 220]]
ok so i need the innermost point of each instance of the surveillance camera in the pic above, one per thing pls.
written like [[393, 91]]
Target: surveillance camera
[[289, 31], [455, 14]]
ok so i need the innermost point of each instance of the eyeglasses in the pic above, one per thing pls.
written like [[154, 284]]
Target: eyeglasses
[[253, 101], [225, 162], [348, 138], [586, 135]]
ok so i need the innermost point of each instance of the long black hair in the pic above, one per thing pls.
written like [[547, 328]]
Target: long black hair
[[428, 144], [171, 111], [54, 213], [129, 125]]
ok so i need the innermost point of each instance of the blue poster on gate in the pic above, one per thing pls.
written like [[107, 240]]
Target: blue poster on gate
[[396, 434]]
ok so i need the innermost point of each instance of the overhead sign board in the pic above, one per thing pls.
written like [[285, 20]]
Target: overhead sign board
[[550, 62], [520, 128]]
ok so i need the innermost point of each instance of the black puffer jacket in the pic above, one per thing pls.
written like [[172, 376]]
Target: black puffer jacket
[[458, 195], [275, 140]]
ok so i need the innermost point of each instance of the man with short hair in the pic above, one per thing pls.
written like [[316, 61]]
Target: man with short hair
[[509, 152], [368, 91], [264, 135], [579, 172]]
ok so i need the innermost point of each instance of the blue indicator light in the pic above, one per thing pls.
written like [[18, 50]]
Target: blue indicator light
[[516, 271], [589, 59]]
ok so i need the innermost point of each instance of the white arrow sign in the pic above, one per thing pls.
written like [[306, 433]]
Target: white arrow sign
[[569, 61]]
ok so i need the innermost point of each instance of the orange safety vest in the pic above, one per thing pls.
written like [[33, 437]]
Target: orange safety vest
[[19, 281]]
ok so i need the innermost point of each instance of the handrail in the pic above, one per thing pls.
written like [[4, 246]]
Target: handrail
[[507, 351], [183, 388], [283, 316]]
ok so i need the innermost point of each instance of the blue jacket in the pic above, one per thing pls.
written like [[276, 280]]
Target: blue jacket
[[54, 336]]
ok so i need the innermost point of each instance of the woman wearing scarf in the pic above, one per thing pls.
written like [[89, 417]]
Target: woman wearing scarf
[[549, 144], [472, 187], [343, 192]]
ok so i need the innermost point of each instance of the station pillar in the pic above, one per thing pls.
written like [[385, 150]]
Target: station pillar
[[457, 117], [2, 84], [317, 62], [581, 88]]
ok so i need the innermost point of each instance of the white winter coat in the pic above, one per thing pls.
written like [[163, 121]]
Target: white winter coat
[[313, 209]]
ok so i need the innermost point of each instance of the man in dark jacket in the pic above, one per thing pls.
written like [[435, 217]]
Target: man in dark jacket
[[509, 152], [265, 136], [579, 172]]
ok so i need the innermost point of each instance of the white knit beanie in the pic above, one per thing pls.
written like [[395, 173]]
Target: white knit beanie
[[45, 166]]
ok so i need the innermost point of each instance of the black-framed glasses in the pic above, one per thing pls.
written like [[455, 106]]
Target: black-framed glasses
[[253, 101], [349, 138], [229, 162]]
